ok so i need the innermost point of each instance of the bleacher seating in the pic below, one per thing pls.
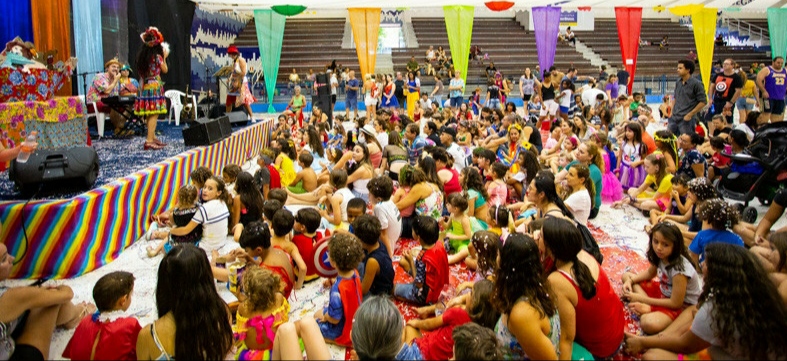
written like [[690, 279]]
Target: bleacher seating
[[653, 61], [509, 46]]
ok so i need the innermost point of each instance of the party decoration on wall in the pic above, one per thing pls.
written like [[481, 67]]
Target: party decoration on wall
[[288, 10], [270, 34], [777, 25], [499, 5], [365, 23], [459, 27], [629, 21], [584, 8], [703, 21], [546, 25], [659, 8]]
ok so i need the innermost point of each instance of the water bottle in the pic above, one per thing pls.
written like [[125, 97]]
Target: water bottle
[[445, 295], [27, 147]]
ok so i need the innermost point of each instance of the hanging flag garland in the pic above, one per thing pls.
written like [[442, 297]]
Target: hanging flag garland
[[288, 10], [499, 5]]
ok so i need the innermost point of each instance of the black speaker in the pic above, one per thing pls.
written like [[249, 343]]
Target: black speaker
[[207, 131], [54, 168], [237, 118], [323, 98]]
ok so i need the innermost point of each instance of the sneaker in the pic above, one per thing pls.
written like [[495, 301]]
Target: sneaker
[[152, 146]]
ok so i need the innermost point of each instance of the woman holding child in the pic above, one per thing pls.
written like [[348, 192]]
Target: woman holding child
[[426, 194]]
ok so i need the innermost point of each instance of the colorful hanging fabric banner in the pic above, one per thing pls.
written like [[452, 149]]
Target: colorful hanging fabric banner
[[270, 34], [777, 27], [459, 27], [629, 21], [546, 25], [365, 23], [703, 21], [15, 20], [87, 33], [52, 31]]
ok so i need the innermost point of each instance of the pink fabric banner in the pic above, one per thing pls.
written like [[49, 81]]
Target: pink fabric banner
[[629, 22], [546, 23]]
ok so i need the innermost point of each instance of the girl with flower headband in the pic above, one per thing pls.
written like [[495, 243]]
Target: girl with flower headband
[[151, 102], [656, 191]]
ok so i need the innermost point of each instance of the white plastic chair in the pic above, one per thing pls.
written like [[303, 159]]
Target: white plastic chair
[[92, 110], [176, 106]]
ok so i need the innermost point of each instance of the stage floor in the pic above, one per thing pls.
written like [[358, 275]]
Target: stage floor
[[118, 158]]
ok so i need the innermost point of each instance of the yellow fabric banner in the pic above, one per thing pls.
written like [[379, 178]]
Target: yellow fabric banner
[[365, 23], [704, 22], [52, 31]]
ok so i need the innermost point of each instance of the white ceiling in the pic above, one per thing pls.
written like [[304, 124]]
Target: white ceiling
[[750, 5]]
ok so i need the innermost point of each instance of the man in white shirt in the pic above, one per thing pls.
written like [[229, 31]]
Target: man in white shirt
[[448, 138], [334, 86], [589, 94]]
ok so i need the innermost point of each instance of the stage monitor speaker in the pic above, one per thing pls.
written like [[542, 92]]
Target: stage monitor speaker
[[323, 98], [207, 131], [238, 117], [57, 170]]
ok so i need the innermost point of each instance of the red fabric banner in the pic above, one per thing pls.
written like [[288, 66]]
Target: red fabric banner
[[629, 21]]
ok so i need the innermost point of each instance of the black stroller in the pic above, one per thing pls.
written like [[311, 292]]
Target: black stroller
[[759, 171]]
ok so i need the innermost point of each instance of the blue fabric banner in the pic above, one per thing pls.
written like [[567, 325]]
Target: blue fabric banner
[[16, 19], [87, 36]]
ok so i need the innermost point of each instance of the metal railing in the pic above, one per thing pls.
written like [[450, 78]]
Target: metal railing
[[750, 28]]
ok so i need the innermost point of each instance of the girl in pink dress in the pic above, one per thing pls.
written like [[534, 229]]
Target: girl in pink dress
[[611, 190], [497, 189]]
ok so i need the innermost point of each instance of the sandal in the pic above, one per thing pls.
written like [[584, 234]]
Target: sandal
[[87, 309]]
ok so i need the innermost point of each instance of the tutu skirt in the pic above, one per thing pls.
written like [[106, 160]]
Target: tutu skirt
[[631, 177], [390, 103], [151, 99], [611, 190]]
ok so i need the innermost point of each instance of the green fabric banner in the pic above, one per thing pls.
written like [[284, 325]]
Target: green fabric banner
[[270, 34], [777, 27], [459, 26]]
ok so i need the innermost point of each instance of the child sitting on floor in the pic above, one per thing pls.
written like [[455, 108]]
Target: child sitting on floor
[[213, 216], [428, 265], [437, 345], [475, 342], [199, 176], [229, 174], [717, 218], [179, 216], [679, 204], [659, 302], [376, 269], [306, 180], [282, 224], [380, 190], [459, 230], [307, 220], [109, 334], [336, 319], [260, 314]]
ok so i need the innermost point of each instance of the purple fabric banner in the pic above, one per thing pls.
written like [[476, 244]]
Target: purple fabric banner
[[546, 23]]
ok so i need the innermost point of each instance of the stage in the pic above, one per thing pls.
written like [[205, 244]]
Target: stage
[[68, 236]]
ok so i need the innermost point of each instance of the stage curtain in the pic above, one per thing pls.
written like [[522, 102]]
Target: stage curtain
[[173, 18], [87, 33], [52, 31], [629, 21], [270, 34], [777, 27], [546, 25], [459, 27], [15, 20], [114, 31], [365, 23]]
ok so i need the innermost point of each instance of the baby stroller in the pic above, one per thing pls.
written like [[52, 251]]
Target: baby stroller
[[759, 171]]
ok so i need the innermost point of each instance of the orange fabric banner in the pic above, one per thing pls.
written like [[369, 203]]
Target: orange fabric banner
[[366, 26], [52, 31]]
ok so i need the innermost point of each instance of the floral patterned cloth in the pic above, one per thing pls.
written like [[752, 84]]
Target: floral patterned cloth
[[100, 88], [38, 85], [151, 99]]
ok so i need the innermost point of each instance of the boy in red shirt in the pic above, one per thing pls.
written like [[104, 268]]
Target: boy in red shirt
[[108, 334], [307, 220], [429, 267]]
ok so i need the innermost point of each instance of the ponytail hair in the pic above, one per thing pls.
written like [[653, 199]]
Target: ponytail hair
[[564, 241], [584, 172]]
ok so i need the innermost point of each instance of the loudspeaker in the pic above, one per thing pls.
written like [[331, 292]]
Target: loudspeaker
[[207, 131], [54, 168], [323, 98], [238, 117]]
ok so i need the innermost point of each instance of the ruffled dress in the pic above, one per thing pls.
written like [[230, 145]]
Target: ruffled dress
[[631, 177], [265, 326], [611, 190], [150, 99]]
